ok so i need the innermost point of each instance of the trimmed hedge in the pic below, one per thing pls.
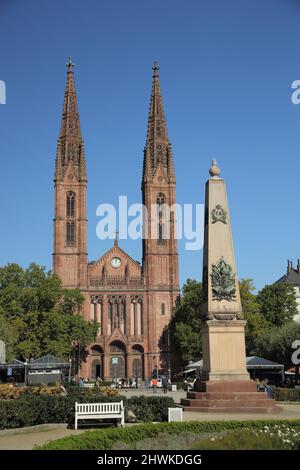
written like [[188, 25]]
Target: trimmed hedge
[[13, 392], [285, 394], [32, 410], [104, 439]]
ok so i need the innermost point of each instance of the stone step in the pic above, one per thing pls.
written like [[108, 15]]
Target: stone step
[[226, 395], [226, 403], [227, 386], [200, 409]]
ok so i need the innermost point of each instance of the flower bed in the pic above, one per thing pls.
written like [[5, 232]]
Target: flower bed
[[275, 437], [108, 438], [10, 391]]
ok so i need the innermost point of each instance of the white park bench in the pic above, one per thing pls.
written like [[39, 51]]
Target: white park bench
[[113, 410], [88, 385]]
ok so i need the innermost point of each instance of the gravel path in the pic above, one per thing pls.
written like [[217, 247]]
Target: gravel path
[[26, 439]]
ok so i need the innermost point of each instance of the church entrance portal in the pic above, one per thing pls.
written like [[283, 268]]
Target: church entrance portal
[[118, 366], [97, 363], [138, 361]]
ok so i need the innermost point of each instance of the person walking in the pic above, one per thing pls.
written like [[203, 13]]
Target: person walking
[[267, 388], [63, 390], [164, 383], [261, 386]]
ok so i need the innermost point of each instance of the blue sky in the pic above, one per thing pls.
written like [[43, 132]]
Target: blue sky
[[226, 70]]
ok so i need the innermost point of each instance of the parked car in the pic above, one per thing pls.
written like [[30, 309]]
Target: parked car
[[159, 383]]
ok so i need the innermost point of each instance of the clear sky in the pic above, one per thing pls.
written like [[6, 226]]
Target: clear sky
[[226, 70]]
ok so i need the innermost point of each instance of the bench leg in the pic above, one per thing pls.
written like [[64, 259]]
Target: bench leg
[[122, 421], [76, 423]]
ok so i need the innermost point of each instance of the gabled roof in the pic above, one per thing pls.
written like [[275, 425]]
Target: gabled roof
[[292, 277], [115, 248]]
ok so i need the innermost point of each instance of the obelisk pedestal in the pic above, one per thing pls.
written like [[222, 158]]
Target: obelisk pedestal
[[226, 384], [223, 346]]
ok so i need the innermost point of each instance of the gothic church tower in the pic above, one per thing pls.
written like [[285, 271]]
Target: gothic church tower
[[70, 182], [132, 304], [160, 256]]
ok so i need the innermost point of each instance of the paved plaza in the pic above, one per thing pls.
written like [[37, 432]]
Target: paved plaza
[[27, 438]]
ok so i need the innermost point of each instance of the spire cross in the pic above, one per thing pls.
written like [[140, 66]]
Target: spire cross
[[155, 68], [116, 242], [70, 64]]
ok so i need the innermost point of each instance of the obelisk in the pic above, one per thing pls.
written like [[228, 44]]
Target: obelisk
[[225, 384], [223, 335]]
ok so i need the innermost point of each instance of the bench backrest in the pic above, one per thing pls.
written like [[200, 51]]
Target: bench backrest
[[99, 408], [88, 385]]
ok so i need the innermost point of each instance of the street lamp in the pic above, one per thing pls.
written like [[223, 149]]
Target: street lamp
[[169, 354], [25, 372], [78, 363], [70, 367]]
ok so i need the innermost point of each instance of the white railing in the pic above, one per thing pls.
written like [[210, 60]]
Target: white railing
[[114, 410]]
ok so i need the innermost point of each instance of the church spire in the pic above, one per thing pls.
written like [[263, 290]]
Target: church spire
[[70, 141], [157, 150], [70, 186]]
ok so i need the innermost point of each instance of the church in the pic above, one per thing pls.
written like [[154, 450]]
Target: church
[[132, 302]]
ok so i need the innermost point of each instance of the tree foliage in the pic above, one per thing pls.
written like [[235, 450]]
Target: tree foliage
[[186, 322], [9, 335], [277, 303], [273, 306], [256, 323], [276, 343], [40, 316]]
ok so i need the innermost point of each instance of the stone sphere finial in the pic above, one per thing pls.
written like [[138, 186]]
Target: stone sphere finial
[[214, 170]]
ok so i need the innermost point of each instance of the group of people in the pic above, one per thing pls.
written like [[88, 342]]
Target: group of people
[[263, 386], [128, 383]]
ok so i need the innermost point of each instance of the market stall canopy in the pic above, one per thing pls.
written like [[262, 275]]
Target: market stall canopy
[[15, 364], [48, 362], [253, 362]]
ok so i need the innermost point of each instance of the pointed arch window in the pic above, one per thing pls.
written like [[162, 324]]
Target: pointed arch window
[[110, 316], [123, 318], [161, 201], [70, 235], [71, 204], [161, 213]]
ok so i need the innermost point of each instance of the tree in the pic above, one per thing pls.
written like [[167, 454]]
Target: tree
[[45, 316], [25, 290], [276, 343], [256, 323], [186, 322], [9, 335], [277, 303], [187, 319]]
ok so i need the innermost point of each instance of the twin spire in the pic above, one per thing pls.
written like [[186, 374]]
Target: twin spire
[[158, 149], [70, 148]]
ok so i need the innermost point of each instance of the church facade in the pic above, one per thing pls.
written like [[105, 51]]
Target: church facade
[[131, 302]]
